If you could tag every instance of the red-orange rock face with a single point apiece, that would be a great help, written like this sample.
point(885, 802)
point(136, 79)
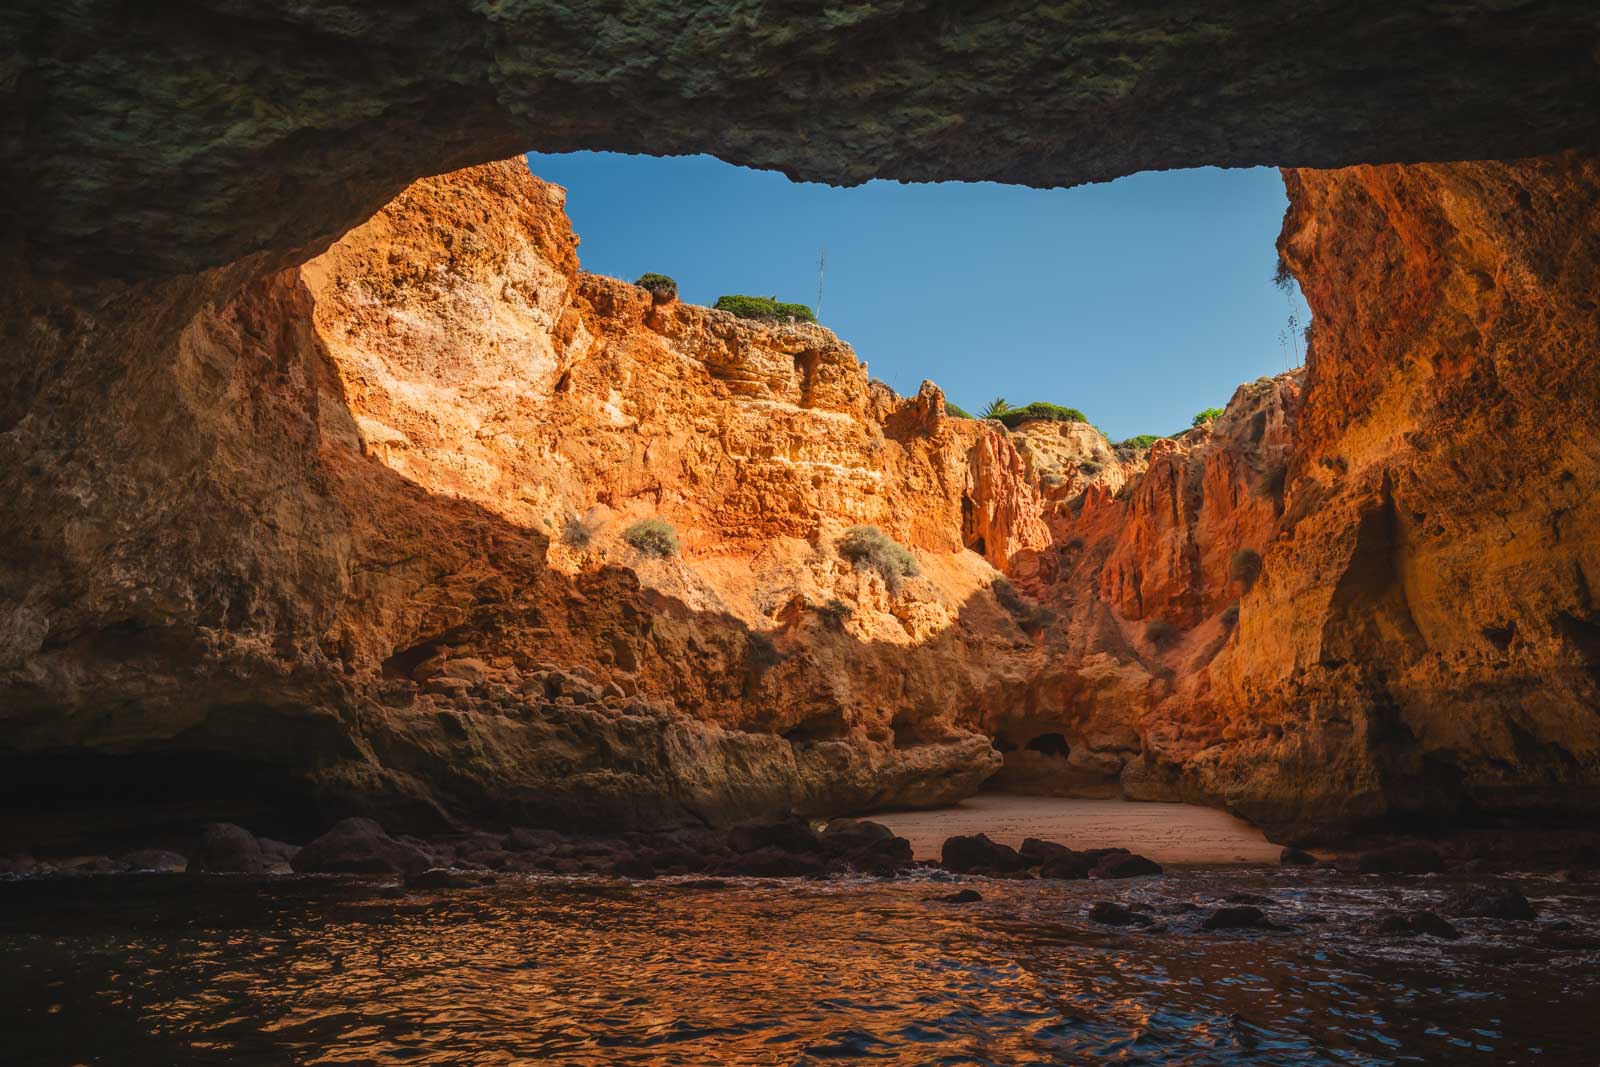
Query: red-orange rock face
point(359, 532)
point(1424, 636)
point(364, 524)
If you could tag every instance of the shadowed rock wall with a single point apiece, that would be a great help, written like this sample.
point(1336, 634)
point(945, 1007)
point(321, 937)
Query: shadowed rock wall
point(155, 139)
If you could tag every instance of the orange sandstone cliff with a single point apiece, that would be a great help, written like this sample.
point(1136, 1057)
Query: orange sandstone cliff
point(352, 537)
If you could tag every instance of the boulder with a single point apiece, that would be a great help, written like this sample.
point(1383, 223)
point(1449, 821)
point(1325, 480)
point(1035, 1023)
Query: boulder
point(1073, 865)
point(17, 865)
point(1110, 913)
point(636, 866)
point(976, 854)
point(1296, 857)
point(278, 854)
point(790, 835)
point(155, 859)
point(359, 846)
point(1414, 924)
point(867, 846)
point(228, 849)
point(773, 862)
point(523, 839)
point(1124, 865)
point(1038, 852)
point(1503, 901)
point(962, 896)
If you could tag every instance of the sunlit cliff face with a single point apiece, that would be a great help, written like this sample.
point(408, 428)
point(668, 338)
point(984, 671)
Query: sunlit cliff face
point(353, 521)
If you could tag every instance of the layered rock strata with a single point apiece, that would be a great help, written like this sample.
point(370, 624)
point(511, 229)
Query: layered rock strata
point(151, 141)
point(355, 533)
point(360, 528)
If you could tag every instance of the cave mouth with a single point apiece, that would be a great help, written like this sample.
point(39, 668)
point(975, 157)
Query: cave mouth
point(1076, 271)
point(100, 802)
point(1050, 744)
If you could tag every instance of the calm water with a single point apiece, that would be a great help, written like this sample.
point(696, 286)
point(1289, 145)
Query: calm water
point(168, 970)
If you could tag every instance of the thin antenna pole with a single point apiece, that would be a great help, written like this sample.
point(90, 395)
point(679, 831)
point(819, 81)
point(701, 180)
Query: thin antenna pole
point(822, 270)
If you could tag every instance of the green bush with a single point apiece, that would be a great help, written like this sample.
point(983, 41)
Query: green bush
point(653, 537)
point(1040, 411)
point(956, 411)
point(658, 285)
point(1160, 633)
point(764, 308)
point(1245, 567)
point(868, 546)
point(995, 408)
point(1143, 440)
point(1206, 416)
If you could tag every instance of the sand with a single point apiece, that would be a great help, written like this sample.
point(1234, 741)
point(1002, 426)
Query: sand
point(1167, 833)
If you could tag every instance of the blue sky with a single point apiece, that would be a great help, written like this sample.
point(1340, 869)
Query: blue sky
point(1140, 301)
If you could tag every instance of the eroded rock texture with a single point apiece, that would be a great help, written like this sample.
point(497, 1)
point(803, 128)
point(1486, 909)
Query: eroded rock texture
point(148, 140)
point(353, 534)
point(359, 527)
point(1424, 635)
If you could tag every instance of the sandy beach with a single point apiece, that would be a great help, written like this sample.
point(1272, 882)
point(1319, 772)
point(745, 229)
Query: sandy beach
point(1167, 833)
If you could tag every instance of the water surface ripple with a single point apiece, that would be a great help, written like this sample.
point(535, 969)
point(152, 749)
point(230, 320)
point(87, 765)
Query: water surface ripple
point(171, 970)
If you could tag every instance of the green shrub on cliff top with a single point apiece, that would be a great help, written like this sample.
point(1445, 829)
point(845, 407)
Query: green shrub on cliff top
point(868, 546)
point(955, 411)
point(653, 537)
point(658, 285)
point(1040, 411)
point(764, 308)
point(1143, 440)
point(1207, 416)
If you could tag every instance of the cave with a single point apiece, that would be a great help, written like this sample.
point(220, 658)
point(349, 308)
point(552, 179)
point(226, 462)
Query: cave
point(1051, 744)
point(199, 443)
point(388, 601)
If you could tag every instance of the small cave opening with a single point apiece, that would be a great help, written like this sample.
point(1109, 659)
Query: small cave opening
point(1050, 745)
point(822, 726)
point(107, 802)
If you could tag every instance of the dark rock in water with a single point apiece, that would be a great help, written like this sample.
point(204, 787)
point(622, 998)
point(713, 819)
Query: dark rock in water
point(1111, 913)
point(1038, 852)
point(680, 859)
point(155, 859)
point(17, 865)
point(790, 835)
point(703, 883)
point(964, 896)
point(867, 846)
point(1296, 857)
point(637, 867)
point(1245, 917)
point(443, 878)
point(1072, 866)
point(98, 865)
point(1246, 898)
point(360, 846)
point(1098, 854)
point(525, 840)
point(1504, 901)
point(1124, 865)
point(278, 854)
point(1400, 859)
point(228, 849)
point(976, 854)
point(1415, 923)
point(775, 863)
